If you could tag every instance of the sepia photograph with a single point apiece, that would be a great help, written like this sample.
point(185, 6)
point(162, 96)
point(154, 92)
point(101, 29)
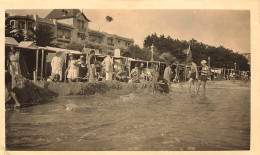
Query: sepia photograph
point(127, 79)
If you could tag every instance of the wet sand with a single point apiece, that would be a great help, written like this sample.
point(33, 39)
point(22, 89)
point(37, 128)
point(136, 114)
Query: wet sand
point(137, 121)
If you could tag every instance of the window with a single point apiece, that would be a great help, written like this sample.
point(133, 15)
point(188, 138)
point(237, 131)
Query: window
point(29, 25)
point(78, 22)
point(21, 24)
point(82, 36)
point(83, 24)
point(12, 23)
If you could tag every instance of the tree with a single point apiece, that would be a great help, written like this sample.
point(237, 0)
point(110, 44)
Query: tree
point(220, 57)
point(136, 52)
point(43, 36)
point(74, 46)
point(168, 57)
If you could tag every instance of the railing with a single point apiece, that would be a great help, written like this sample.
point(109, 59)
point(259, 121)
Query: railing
point(110, 44)
point(67, 37)
point(81, 28)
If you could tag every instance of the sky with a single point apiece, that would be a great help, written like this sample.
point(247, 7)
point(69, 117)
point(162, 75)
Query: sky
point(228, 28)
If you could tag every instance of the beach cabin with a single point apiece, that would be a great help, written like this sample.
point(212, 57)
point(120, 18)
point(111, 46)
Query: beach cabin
point(28, 53)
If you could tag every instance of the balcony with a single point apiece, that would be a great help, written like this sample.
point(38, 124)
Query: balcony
point(110, 44)
point(64, 38)
point(81, 29)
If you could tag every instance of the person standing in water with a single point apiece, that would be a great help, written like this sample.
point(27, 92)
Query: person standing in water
point(193, 74)
point(203, 77)
point(9, 92)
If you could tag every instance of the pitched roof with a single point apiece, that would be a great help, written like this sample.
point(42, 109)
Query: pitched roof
point(71, 13)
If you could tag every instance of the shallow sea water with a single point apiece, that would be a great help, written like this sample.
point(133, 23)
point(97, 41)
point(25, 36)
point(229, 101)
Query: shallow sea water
point(137, 121)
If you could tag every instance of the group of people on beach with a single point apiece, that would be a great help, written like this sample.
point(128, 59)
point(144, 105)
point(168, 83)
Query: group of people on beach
point(84, 70)
point(194, 75)
point(202, 77)
point(80, 70)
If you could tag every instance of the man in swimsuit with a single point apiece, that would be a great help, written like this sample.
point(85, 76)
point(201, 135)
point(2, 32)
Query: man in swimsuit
point(193, 74)
point(203, 76)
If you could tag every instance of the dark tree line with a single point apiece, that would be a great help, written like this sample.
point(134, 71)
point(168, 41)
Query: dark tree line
point(220, 57)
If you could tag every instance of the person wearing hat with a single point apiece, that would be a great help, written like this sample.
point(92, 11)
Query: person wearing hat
point(108, 64)
point(72, 69)
point(193, 74)
point(203, 76)
point(57, 64)
point(83, 70)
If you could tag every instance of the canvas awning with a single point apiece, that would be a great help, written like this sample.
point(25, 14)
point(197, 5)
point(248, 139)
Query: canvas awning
point(10, 41)
point(62, 50)
point(30, 44)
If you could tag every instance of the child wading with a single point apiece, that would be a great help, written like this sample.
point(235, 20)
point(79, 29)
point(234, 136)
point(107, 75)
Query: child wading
point(203, 76)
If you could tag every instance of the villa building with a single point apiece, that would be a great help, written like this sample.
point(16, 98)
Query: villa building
point(68, 25)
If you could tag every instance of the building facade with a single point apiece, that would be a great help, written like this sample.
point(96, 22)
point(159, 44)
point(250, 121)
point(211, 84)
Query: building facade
point(67, 26)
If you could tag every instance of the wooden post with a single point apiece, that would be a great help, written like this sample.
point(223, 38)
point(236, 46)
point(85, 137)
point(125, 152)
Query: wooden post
point(185, 73)
point(129, 69)
point(65, 65)
point(224, 73)
point(45, 71)
point(228, 75)
point(42, 64)
point(37, 63)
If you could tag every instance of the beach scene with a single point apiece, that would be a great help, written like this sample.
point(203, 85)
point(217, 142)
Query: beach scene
point(85, 80)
